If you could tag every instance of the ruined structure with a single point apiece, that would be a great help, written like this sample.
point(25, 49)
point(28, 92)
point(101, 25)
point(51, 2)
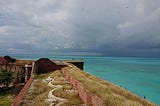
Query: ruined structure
point(24, 68)
point(44, 65)
point(21, 69)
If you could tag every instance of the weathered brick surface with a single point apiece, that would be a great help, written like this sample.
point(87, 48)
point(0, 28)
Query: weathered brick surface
point(96, 100)
point(73, 81)
point(18, 99)
point(84, 95)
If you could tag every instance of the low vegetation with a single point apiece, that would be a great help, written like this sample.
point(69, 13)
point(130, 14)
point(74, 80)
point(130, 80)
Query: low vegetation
point(67, 91)
point(39, 90)
point(5, 78)
point(111, 94)
point(36, 94)
point(6, 97)
point(6, 100)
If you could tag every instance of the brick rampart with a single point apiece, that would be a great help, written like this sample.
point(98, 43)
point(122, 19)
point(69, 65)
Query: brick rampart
point(83, 93)
point(18, 99)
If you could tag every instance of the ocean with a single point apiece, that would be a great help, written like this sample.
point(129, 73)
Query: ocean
point(139, 75)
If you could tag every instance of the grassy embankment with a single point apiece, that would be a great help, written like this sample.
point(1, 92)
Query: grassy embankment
point(110, 94)
point(40, 90)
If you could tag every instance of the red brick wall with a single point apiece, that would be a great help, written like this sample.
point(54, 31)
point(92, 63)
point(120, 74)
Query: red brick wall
point(84, 95)
point(18, 99)
point(96, 100)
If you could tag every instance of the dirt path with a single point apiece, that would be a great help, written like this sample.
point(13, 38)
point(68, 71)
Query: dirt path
point(51, 98)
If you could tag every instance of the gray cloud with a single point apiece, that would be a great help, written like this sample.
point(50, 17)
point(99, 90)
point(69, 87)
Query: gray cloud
point(107, 27)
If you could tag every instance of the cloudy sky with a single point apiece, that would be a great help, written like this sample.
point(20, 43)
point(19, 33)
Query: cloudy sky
point(87, 27)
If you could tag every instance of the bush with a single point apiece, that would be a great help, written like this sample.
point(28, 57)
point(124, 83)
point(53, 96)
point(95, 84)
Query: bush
point(5, 77)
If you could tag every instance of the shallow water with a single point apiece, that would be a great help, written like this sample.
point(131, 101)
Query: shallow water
point(139, 75)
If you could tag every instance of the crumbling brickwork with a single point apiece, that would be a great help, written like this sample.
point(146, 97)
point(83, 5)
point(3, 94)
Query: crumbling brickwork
point(83, 93)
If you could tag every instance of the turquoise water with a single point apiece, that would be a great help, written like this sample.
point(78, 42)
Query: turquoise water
point(139, 75)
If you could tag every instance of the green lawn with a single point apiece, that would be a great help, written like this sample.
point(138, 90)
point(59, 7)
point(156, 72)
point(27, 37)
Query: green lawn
point(6, 100)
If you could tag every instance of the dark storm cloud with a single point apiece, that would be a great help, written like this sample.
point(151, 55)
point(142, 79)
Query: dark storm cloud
point(107, 27)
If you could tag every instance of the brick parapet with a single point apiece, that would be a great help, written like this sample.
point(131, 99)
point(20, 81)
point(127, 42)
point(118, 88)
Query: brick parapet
point(83, 93)
point(18, 99)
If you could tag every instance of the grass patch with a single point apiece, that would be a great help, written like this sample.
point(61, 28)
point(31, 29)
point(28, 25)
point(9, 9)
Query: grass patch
point(39, 88)
point(37, 96)
point(73, 100)
point(6, 100)
point(40, 76)
point(60, 93)
point(72, 97)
